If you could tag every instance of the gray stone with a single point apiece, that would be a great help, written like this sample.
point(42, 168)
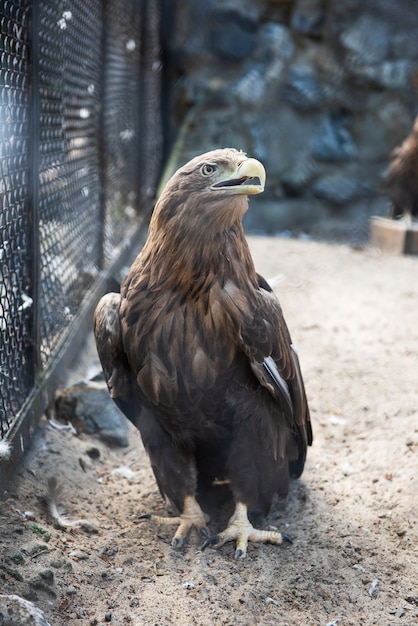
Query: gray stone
point(303, 90)
point(403, 45)
point(384, 122)
point(338, 189)
point(232, 34)
point(308, 16)
point(79, 555)
point(89, 407)
point(247, 9)
point(251, 88)
point(47, 575)
point(43, 581)
point(189, 36)
point(274, 41)
point(332, 141)
point(295, 180)
point(390, 74)
point(393, 116)
point(285, 139)
point(367, 39)
point(275, 49)
point(16, 611)
point(62, 562)
point(287, 215)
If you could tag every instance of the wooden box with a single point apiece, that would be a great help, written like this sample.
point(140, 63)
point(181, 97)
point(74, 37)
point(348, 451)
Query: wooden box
point(394, 236)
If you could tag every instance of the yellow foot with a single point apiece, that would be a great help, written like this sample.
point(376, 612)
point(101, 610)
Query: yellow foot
point(240, 529)
point(191, 517)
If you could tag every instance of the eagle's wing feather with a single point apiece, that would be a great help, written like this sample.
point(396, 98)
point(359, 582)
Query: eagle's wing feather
point(116, 369)
point(274, 361)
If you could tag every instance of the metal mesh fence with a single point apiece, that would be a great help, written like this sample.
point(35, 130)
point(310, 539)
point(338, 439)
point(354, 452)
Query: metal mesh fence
point(70, 74)
point(74, 135)
point(121, 125)
point(16, 375)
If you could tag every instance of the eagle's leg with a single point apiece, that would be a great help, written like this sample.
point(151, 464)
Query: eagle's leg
point(192, 516)
point(240, 529)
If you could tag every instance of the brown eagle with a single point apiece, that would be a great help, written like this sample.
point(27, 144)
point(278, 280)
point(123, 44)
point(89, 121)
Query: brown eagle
point(401, 178)
point(197, 354)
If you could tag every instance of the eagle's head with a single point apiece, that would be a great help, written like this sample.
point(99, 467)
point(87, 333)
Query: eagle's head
point(210, 190)
point(222, 173)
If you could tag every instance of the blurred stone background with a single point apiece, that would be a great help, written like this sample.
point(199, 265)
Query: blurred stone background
point(320, 90)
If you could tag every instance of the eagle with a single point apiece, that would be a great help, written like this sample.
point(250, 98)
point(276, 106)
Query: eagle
point(401, 178)
point(197, 354)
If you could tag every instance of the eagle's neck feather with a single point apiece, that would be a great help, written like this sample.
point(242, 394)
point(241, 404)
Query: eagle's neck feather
point(185, 264)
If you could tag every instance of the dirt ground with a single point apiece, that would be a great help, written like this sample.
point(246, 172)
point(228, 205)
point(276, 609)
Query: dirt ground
point(352, 516)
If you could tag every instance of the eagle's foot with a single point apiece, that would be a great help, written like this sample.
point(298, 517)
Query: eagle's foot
point(192, 516)
point(240, 529)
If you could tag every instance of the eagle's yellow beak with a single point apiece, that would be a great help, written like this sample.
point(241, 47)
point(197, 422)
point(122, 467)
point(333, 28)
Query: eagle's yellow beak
point(244, 179)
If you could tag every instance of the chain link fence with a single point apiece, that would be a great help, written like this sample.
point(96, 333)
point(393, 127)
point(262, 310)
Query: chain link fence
point(80, 153)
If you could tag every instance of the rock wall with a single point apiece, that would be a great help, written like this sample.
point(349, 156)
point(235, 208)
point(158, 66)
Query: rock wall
point(321, 91)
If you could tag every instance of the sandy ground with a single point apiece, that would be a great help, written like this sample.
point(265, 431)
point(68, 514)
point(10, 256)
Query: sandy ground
point(352, 516)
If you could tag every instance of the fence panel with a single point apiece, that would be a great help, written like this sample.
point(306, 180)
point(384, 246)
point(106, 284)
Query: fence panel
point(122, 133)
point(76, 182)
point(16, 370)
point(69, 209)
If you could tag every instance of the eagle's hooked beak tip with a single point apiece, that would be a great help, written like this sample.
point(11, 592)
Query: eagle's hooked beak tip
point(249, 178)
point(253, 169)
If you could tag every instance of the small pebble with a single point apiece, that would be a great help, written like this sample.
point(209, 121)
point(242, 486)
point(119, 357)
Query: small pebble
point(79, 555)
point(373, 588)
point(188, 586)
point(358, 567)
point(47, 575)
point(108, 617)
point(93, 453)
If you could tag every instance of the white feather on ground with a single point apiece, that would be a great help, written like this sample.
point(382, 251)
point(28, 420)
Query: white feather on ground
point(57, 509)
point(5, 450)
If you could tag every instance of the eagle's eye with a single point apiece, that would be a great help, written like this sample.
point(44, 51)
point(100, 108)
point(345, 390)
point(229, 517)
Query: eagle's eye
point(207, 169)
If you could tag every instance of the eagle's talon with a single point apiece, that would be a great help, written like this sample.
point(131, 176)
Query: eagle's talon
point(204, 532)
point(286, 538)
point(210, 541)
point(177, 542)
point(242, 531)
point(192, 516)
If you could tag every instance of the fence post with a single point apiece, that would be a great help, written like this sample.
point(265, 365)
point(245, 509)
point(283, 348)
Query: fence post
point(34, 260)
point(102, 144)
